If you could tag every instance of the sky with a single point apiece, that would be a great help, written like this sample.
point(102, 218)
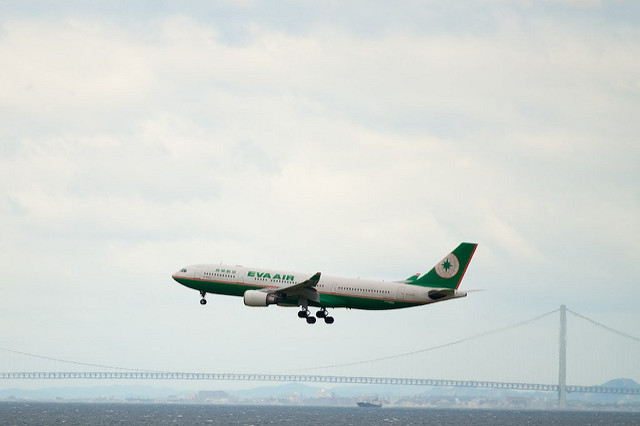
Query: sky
point(364, 139)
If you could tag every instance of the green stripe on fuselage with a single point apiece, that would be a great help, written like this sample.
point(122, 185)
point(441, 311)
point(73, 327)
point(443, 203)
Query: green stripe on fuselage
point(326, 300)
point(359, 302)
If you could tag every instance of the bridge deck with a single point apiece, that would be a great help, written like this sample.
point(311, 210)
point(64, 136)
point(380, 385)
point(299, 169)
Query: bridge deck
point(255, 377)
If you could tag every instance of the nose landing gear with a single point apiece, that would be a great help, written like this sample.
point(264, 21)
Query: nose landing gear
point(203, 301)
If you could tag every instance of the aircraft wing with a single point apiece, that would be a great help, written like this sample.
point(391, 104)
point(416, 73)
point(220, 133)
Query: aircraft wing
point(294, 288)
point(306, 289)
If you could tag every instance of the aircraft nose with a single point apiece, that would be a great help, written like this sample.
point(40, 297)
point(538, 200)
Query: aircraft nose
point(179, 274)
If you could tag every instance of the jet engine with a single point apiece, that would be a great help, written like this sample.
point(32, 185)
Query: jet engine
point(259, 298)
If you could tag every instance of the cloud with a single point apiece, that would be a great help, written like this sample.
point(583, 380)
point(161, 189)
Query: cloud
point(286, 113)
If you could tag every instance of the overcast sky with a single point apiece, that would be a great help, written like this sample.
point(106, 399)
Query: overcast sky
point(362, 139)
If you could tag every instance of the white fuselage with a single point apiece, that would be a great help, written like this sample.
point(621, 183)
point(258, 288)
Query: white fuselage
point(332, 291)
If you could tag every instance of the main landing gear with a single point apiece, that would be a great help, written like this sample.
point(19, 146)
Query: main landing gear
point(304, 313)
point(322, 313)
point(203, 301)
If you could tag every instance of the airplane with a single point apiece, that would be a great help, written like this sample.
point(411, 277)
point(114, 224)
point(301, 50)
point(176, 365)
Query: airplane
point(264, 287)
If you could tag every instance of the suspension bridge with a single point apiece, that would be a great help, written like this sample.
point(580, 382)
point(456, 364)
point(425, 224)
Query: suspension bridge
point(561, 387)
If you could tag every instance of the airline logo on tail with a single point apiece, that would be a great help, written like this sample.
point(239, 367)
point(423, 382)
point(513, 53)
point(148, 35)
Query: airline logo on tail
point(448, 267)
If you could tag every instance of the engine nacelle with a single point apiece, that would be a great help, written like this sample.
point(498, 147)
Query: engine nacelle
point(259, 298)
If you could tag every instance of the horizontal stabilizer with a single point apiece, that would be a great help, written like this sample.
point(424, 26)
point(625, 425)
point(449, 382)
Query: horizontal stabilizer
point(445, 293)
point(411, 280)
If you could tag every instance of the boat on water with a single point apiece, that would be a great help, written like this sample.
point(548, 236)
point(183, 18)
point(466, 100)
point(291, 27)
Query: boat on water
point(369, 404)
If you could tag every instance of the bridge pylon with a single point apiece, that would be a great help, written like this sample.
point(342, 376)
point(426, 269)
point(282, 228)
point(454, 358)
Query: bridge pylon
point(562, 362)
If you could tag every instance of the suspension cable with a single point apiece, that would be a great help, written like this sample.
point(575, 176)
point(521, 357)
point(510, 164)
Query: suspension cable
point(628, 336)
point(75, 362)
point(432, 348)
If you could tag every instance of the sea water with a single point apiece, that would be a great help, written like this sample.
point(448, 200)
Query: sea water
point(42, 413)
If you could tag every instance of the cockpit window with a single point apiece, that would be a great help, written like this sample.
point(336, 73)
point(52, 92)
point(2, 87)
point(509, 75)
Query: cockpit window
point(183, 270)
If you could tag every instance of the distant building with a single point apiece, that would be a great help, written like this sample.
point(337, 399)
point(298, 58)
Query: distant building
point(213, 397)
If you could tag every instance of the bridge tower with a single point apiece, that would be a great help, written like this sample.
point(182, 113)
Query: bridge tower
point(562, 367)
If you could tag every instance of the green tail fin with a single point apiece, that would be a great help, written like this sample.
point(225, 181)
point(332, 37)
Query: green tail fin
point(449, 271)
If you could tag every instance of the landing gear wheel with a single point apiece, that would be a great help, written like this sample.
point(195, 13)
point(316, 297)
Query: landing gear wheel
point(311, 320)
point(328, 320)
point(203, 301)
point(303, 314)
point(322, 313)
